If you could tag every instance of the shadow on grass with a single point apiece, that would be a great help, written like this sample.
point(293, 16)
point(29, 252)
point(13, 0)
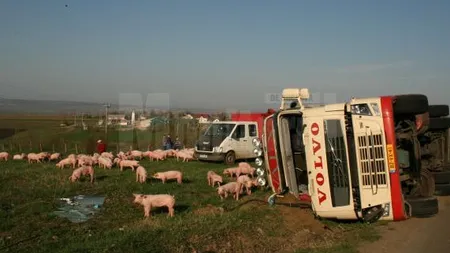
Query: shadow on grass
point(178, 209)
point(101, 178)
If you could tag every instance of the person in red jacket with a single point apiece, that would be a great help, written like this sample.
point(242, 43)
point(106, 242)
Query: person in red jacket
point(101, 147)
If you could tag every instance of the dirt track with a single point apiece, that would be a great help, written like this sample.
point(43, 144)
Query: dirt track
point(415, 235)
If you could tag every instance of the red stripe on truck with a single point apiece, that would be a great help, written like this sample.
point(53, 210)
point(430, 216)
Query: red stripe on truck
point(387, 111)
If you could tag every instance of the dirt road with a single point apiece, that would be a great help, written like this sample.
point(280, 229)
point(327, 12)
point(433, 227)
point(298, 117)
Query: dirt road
point(431, 235)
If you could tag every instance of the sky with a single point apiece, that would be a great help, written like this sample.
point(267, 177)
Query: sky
point(222, 54)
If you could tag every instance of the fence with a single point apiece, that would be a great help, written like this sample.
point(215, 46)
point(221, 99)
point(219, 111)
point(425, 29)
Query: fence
point(76, 140)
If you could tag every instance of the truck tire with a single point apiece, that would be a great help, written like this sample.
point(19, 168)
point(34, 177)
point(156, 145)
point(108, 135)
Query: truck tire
point(442, 189)
point(441, 177)
point(410, 104)
point(230, 158)
point(423, 207)
point(437, 111)
point(439, 123)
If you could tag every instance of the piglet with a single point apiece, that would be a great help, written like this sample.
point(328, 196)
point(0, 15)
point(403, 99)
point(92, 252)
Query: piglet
point(245, 170)
point(213, 178)
point(82, 171)
point(159, 200)
point(141, 174)
point(230, 171)
point(244, 165)
point(232, 188)
point(173, 174)
point(246, 182)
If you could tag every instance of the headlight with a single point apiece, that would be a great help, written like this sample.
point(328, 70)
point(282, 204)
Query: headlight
point(259, 161)
point(261, 181)
point(260, 172)
point(256, 142)
point(217, 149)
point(257, 151)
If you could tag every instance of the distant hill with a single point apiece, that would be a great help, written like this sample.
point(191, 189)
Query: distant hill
point(8, 106)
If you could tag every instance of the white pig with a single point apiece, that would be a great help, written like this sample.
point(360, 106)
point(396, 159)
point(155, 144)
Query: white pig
point(159, 200)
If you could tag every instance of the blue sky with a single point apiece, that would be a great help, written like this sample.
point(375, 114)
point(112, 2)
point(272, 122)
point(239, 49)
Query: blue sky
point(222, 54)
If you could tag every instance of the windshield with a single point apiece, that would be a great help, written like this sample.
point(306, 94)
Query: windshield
point(219, 129)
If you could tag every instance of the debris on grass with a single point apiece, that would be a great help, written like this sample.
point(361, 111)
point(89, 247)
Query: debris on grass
point(79, 208)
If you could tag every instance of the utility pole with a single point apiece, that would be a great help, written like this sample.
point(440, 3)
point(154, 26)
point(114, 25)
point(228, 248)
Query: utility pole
point(107, 105)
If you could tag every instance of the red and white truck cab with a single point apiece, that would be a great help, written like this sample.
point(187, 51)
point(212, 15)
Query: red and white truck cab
point(354, 160)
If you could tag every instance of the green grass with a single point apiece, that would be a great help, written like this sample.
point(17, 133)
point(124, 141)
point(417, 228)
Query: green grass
point(202, 221)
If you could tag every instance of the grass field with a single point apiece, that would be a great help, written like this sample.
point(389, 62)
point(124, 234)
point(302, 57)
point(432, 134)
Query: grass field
point(202, 221)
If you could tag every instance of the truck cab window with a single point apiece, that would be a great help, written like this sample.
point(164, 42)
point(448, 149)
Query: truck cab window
point(252, 130)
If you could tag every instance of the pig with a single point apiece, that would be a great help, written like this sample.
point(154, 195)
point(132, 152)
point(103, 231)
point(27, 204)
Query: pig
point(19, 156)
point(72, 156)
point(108, 155)
point(246, 182)
point(82, 171)
point(44, 155)
point(33, 157)
point(244, 165)
point(158, 200)
point(128, 163)
point(141, 174)
point(245, 170)
point(4, 156)
point(230, 171)
point(136, 154)
point(104, 162)
point(67, 161)
point(213, 178)
point(185, 156)
point(54, 156)
point(173, 174)
point(232, 187)
point(158, 156)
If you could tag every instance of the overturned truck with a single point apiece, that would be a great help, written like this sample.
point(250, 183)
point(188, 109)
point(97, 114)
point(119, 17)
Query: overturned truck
point(355, 160)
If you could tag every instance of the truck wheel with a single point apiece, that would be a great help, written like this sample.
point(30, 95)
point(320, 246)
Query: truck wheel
point(423, 207)
point(410, 104)
point(230, 158)
point(427, 184)
point(439, 123)
point(441, 177)
point(437, 111)
point(442, 189)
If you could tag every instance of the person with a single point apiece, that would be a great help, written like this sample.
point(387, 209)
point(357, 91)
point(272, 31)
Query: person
point(177, 145)
point(164, 142)
point(101, 147)
point(169, 143)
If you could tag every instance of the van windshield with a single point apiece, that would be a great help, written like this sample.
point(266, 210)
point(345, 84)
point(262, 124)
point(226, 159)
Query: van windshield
point(219, 129)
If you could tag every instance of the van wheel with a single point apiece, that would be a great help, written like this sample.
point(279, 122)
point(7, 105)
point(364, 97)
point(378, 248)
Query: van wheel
point(410, 104)
point(230, 158)
point(437, 111)
point(423, 207)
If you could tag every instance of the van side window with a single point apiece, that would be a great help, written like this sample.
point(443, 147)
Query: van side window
point(239, 132)
point(252, 130)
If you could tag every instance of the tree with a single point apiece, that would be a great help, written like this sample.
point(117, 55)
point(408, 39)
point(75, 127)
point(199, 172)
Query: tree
point(135, 139)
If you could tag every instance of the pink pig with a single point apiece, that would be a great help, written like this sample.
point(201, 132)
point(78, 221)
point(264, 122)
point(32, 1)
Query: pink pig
point(141, 174)
point(173, 174)
point(247, 183)
point(213, 178)
point(230, 171)
point(245, 170)
point(82, 171)
point(159, 200)
point(244, 165)
point(232, 187)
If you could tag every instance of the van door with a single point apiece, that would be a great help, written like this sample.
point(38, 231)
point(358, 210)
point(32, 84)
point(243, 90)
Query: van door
point(239, 141)
point(370, 148)
point(251, 133)
point(270, 155)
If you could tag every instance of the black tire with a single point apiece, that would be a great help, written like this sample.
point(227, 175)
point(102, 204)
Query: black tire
point(437, 111)
point(439, 123)
point(441, 177)
point(442, 189)
point(230, 158)
point(423, 207)
point(410, 104)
